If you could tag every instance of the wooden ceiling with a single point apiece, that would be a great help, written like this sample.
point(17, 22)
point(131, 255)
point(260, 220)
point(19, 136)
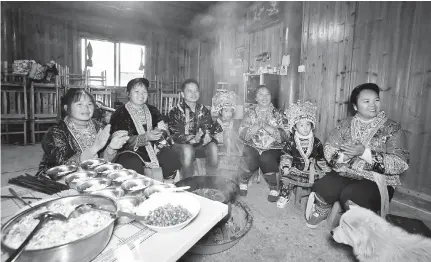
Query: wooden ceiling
point(171, 16)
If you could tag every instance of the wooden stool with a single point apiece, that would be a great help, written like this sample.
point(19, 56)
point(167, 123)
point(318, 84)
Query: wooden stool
point(301, 192)
point(334, 217)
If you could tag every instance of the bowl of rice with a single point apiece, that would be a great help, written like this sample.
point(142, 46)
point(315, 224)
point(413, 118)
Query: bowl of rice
point(168, 211)
point(92, 185)
point(75, 240)
point(136, 187)
point(77, 178)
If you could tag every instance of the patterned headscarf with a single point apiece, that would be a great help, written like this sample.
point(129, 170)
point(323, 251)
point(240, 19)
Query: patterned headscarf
point(298, 111)
point(224, 99)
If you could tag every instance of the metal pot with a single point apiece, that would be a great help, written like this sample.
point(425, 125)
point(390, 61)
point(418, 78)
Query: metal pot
point(229, 188)
point(81, 250)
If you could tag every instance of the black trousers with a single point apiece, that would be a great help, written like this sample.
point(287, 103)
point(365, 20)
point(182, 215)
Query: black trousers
point(169, 161)
point(334, 187)
point(268, 162)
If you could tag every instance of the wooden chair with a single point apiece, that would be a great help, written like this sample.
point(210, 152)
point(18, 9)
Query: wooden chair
point(98, 88)
point(14, 105)
point(44, 106)
point(72, 80)
point(167, 102)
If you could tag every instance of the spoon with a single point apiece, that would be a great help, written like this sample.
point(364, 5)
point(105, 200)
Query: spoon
point(43, 217)
point(85, 208)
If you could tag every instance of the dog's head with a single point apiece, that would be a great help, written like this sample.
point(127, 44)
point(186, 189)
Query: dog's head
point(360, 228)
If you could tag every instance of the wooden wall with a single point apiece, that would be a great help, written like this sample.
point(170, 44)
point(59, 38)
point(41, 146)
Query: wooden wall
point(44, 36)
point(345, 44)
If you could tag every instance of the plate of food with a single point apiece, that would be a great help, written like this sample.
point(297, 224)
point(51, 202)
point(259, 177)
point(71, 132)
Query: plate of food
point(168, 211)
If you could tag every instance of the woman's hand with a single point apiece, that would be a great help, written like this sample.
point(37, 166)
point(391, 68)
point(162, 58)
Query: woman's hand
point(102, 138)
point(119, 138)
point(153, 135)
point(352, 150)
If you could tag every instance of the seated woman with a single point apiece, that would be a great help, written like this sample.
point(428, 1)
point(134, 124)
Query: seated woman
point(77, 137)
point(190, 124)
point(146, 127)
point(226, 130)
point(263, 133)
point(367, 152)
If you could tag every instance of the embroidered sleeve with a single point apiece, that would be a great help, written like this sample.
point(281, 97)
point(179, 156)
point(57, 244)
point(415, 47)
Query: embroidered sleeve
point(286, 156)
point(332, 150)
point(141, 140)
point(177, 126)
point(246, 125)
point(395, 160)
point(57, 150)
point(217, 131)
point(320, 157)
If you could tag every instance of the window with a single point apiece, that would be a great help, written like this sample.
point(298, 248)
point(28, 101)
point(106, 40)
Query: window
point(122, 61)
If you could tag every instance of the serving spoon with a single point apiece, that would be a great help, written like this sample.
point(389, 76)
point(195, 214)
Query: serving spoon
point(43, 218)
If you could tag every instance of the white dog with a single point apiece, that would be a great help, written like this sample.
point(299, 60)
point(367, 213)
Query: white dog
point(375, 239)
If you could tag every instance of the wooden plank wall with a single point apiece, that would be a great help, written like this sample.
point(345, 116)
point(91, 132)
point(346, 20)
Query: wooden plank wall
point(43, 37)
point(345, 44)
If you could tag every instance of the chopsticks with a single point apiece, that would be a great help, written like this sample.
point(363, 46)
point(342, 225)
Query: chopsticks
point(36, 198)
point(39, 184)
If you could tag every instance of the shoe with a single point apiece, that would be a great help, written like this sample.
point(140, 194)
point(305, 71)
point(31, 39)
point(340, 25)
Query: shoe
point(273, 196)
point(243, 189)
point(316, 213)
point(284, 198)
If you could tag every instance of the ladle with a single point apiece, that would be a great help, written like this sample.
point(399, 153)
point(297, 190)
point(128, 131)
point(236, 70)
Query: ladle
point(87, 207)
point(43, 217)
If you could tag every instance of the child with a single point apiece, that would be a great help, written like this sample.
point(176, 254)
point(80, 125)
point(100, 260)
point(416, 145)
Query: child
point(302, 161)
point(226, 130)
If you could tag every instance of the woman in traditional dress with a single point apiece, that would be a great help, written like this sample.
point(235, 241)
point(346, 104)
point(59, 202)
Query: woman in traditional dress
point(78, 137)
point(368, 152)
point(225, 130)
point(263, 133)
point(147, 129)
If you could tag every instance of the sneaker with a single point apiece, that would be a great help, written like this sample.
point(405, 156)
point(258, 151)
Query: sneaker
point(243, 189)
point(273, 195)
point(284, 198)
point(315, 219)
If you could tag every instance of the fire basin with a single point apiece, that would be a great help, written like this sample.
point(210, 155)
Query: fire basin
point(225, 235)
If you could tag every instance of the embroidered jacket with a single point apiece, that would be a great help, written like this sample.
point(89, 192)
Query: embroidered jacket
point(184, 124)
point(298, 155)
point(61, 146)
point(148, 118)
point(386, 152)
point(262, 140)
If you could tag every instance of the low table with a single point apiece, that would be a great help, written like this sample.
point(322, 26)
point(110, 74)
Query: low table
point(152, 246)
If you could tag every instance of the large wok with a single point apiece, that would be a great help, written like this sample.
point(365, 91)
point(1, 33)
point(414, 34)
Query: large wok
point(229, 188)
point(81, 250)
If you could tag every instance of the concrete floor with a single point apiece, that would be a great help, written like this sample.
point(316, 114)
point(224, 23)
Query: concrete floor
point(276, 234)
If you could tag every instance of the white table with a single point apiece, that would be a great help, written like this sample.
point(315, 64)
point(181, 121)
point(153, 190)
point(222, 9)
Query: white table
point(159, 247)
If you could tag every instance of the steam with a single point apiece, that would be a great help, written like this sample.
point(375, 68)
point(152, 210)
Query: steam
point(219, 16)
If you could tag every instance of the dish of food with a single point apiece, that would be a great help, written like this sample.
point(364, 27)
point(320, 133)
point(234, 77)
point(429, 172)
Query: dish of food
point(167, 215)
point(95, 187)
point(210, 193)
point(56, 232)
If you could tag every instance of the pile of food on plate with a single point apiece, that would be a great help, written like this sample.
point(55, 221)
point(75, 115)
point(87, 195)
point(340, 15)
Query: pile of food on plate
point(167, 215)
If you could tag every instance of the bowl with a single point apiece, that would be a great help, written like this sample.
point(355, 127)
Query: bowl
point(84, 249)
point(118, 177)
point(105, 169)
point(98, 183)
point(76, 178)
point(184, 199)
point(114, 193)
point(136, 187)
point(93, 163)
point(156, 189)
point(128, 204)
point(58, 172)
